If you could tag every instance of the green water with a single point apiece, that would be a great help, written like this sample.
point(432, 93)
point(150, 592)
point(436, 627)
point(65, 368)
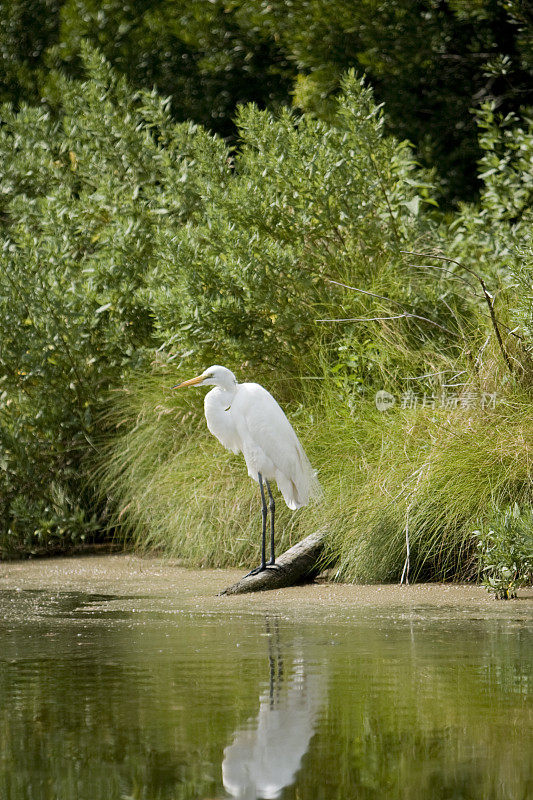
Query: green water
point(100, 700)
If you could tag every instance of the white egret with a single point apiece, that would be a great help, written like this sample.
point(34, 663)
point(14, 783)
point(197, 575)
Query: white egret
point(246, 419)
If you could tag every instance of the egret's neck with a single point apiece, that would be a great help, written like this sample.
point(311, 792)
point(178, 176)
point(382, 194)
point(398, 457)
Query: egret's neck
point(224, 394)
point(226, 382)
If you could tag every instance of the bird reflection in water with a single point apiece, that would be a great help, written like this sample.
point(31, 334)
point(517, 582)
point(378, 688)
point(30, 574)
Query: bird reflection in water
point(267, 752)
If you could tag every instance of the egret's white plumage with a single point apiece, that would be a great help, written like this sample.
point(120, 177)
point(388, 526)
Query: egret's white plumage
point(246, 419)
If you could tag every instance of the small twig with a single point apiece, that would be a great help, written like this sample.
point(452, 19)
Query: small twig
point(364, 291)
point(448, 272)
point(385, 195)
point(388, 300)
point(396, 316)
point(432, 374)
point(511, 332)
point(361, 319)
point(481, 351)
point(405, 571)
point(442, 258)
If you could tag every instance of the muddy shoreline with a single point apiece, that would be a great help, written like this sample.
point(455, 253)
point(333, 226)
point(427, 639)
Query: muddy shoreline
point(160, 584)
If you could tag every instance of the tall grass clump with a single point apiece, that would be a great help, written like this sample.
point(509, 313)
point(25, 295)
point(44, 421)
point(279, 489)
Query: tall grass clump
point(431, 473)
point(428, 478)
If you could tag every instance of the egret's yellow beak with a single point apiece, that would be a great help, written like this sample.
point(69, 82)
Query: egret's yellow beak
point(190, 382)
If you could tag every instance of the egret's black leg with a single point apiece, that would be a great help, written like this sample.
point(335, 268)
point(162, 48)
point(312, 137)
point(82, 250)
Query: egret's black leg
point(264, 512)
point(272, 513)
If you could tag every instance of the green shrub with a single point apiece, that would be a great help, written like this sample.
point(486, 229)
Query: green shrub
point(428, 62)
point(307, 203)
point(505, 545)
point(83, 195)
point(494, 235)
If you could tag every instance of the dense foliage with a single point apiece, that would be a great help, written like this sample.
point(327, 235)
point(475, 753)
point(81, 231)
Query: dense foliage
point(133, 244)
point(81, 202)
point(430, 61)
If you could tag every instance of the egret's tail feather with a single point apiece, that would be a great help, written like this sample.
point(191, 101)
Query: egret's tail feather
point(298, 493)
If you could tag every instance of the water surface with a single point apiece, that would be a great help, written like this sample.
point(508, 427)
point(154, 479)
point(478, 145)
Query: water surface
point(108, 695)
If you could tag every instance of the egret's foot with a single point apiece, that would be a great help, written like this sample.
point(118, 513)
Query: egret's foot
point(263, 568)
point(256, 571)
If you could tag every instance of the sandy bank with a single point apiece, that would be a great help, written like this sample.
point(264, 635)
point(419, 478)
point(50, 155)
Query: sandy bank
point(152, 583)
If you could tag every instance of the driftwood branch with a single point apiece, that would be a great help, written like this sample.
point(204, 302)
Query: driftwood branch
point(296, 564)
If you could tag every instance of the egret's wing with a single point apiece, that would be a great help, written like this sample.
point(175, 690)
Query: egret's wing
point(263, 427)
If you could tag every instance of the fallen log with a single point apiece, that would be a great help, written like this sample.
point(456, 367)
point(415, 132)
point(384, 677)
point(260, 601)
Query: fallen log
point(298, 563)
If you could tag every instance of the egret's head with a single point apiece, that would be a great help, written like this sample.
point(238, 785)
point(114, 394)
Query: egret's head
point(212, 376)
